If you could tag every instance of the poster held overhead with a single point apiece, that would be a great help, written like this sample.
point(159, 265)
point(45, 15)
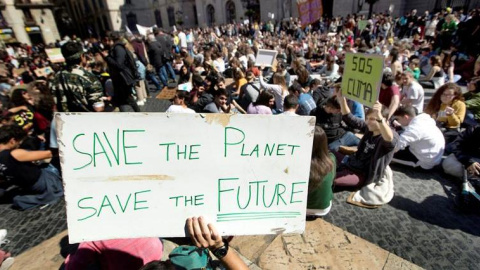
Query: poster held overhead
point(362, 77)
point(265, 57)
point(55, 55)
point(131, 175)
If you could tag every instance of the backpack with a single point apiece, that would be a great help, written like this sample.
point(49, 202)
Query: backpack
point(130, 75)
point(190, 258)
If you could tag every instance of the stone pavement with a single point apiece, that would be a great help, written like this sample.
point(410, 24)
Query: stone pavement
point(421, 224)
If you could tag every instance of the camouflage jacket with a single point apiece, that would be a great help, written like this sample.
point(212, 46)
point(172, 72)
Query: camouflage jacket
point(76, 90)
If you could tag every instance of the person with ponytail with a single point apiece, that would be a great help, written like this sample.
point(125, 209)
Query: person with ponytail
point(322, 174)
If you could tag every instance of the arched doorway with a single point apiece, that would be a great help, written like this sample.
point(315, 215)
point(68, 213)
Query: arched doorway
point(210, 15)
point(231, 12)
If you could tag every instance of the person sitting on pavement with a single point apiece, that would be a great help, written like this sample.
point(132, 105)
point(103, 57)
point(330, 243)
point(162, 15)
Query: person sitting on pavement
point(472, 102)
point(115, 254)
point(178, 103)
point(421, 143)
point(42, 185)
point(290, 105)
point(219, 103)
point(412, 93)
point(368, 169)
point(199, 97)
point(305, 100)
point(322, 173)
point(329, 117)
point(389, 93)
point(465, 154)
point(264, 103)
point(279, 88)
point(282, 69)
point(319, 91)
point(249, 92)
point(448, 109)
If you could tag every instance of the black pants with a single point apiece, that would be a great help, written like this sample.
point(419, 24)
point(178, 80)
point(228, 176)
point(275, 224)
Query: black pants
point(405, 155)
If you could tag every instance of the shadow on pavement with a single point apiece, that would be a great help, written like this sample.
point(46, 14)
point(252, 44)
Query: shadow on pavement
point(440, 211)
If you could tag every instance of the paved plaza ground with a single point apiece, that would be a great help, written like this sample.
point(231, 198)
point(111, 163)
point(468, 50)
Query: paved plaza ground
point(421, 224)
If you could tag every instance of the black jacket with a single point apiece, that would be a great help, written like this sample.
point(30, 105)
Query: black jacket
point(466, 147)
point(155, 54)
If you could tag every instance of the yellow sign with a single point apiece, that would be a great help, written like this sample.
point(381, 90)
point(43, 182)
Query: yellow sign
point(362, 77)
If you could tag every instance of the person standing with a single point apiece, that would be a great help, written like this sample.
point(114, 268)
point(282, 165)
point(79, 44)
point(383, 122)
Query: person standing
point(123, 72)
point(166, 43)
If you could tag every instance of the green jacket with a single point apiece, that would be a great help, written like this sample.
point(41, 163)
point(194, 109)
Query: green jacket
point(472, 101)
point(320, 198)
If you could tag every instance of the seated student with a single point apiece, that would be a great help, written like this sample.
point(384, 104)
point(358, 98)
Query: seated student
point(412, 92)
point(115, 254)
point(421, 143)
point(319, 91)
point(179, 105)
point(465, 154)
point(413, 66)
point(199, 96)
point(322, 173)
point(290, 105)
point(305, 101)
point(436, 77)
point(329, 117)
point(263, 105)
point(389, 93)
point(472, 102)
point(249, 92)
point(42, 185)
point(219, 103)
point(448, 109)
point(368, 168)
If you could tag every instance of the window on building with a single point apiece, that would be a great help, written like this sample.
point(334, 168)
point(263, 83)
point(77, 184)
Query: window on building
point(171, 16)
point(158, 18)
point(132, 21)
point(28, 17)
point(195, 15)
point(128, 2)
point(231, 12)
point(101, 4)
point(210, 15)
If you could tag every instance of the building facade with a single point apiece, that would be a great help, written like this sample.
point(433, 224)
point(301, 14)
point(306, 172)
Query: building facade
point(27, 21)
point(95, 18)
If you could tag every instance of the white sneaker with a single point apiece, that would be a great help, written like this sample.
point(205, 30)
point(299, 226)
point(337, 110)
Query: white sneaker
point(140, 103)
point(3, 234)
point(7, 263)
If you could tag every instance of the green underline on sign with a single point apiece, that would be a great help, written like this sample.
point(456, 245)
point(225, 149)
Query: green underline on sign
point(255, 218)
point(257, 213)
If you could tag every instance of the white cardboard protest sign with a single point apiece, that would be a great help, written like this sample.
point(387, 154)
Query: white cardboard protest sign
point(131, 175)
point(265, 57)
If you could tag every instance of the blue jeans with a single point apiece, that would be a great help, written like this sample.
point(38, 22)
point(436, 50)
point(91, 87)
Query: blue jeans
point(153, 78)
point(164, 73)
point(348, 139)
point(470, 119)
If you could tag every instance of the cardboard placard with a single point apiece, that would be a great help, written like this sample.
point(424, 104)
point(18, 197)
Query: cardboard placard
point(43, 72)
point(167, 93)
point(55, 55)
point(309, 11)
point(265, 57)
point(362, 24)
point(129, 175)
point(362, 77)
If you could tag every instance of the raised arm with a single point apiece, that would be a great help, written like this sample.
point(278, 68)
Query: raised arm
point(26, 156)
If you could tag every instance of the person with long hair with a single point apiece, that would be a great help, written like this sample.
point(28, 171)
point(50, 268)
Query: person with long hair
point(394, 61)
point(322, 174)
point(279, 88)
point(448, 108)
point(264, 103)
point(330, 70)
point(436, 76)
point(185, 74)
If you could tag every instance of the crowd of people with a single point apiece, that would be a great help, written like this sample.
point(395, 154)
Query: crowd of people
point(353, 146)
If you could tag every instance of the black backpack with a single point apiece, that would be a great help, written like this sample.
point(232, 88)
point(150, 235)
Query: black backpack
point(130, 73)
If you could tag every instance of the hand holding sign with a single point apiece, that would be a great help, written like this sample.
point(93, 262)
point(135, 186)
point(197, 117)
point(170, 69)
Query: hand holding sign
point(377, 108)
point(204, 235)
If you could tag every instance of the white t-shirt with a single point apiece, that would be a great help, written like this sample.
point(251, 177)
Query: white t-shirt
point(183, 40)
point(426, 141)
point(415, 92)
point(179, 109)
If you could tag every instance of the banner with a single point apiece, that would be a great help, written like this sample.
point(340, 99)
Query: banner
point(129, 175)
point(143, 30)
point(362, 77)
point(309, 11)
point(362, 24)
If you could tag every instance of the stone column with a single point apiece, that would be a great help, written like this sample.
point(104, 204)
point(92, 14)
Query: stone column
point(49, 26)
point(14, 18)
